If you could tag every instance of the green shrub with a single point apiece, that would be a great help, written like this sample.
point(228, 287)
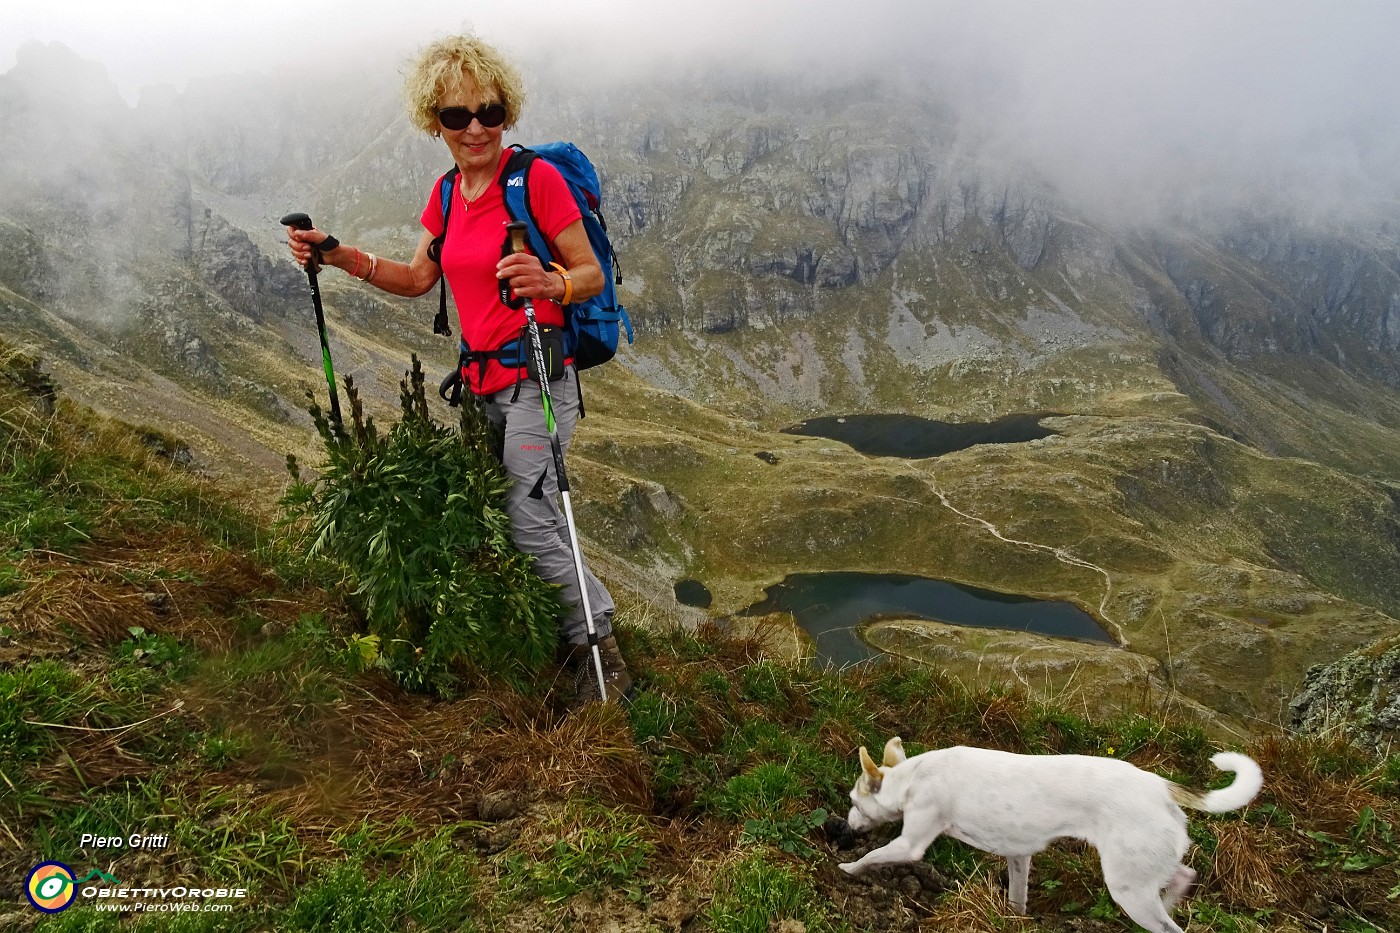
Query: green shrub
point(417, 519)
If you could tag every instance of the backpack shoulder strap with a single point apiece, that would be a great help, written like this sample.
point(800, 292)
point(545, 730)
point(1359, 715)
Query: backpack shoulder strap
point(515, 189)
point(445, 185)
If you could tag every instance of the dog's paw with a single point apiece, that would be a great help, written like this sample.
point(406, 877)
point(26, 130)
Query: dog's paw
point(849, 868)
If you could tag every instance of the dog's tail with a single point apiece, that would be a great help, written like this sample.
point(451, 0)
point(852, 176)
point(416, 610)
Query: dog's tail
point(1248, 780)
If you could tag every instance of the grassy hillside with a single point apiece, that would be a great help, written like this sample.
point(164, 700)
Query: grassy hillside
point(1227, 572)
point(169, 666)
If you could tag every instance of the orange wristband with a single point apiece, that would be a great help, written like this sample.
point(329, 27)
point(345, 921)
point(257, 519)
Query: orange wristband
point(568, 283)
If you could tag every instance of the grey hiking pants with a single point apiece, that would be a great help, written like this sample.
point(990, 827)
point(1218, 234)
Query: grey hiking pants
point(536, 519)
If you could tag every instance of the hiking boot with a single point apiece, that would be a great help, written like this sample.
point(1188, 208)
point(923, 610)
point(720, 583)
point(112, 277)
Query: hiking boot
point(615, 674)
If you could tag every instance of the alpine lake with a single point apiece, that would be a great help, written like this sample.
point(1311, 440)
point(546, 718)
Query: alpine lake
point(831, 607)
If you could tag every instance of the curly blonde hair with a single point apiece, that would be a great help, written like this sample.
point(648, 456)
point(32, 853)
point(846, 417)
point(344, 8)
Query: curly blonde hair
point(444, 63)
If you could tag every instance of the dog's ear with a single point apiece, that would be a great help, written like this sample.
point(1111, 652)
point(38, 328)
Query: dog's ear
point(894, 752)
point(871, 776)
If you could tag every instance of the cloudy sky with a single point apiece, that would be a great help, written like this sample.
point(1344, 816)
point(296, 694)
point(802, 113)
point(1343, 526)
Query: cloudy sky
point(1104, 92)
point(1066, 45)
point(155, 41)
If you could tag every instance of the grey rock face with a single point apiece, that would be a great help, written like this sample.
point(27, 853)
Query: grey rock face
point(182, 346)
point(1358, 695)
point(239, 273)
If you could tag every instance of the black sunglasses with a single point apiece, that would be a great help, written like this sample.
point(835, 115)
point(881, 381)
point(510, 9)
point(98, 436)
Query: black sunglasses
point(459, 118)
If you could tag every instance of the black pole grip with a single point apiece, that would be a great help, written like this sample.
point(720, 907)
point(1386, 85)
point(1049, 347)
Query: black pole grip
point(302, 221)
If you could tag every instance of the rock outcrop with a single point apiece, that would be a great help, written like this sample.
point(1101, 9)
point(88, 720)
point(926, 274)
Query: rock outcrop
point(1357, 695)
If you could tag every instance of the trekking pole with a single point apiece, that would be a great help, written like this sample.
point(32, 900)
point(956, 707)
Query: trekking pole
point(303, 222)
point(517, 245)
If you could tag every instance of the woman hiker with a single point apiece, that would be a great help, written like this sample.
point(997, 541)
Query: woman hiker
point(462, 90)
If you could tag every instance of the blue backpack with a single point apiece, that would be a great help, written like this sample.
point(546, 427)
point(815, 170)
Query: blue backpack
point(592, 326)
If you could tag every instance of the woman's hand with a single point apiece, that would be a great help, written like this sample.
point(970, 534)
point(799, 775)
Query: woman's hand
point(301, 242)
point(574, 253)
point(529, 279)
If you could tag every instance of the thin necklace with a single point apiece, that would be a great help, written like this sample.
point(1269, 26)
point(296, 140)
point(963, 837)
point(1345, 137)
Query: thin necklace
point(478, 193)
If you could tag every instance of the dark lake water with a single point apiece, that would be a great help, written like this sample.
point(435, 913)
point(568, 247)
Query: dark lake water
point(693, 593)
point(830, 606)
point(913, 437)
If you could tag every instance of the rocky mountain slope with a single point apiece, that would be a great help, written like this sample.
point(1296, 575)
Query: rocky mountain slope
point(1227, 386)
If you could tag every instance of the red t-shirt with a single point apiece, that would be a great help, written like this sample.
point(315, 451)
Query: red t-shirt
point(471, 251)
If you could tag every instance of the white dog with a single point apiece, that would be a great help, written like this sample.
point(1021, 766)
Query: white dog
point(1016, 805)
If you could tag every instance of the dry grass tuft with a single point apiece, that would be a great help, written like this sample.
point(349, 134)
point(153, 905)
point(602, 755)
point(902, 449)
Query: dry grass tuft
point(1294, 779)
point(687, 849)
point(1002, 717)
point(978, 906)
point(99, 753)
point(382, 756)
point(729, 650)
point(711, 875)
point(359, 761)
point(177, 585)
point(1258, 867)
point(72, 598)
point(839, 737)
point(591, 752)
point(191, 580)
